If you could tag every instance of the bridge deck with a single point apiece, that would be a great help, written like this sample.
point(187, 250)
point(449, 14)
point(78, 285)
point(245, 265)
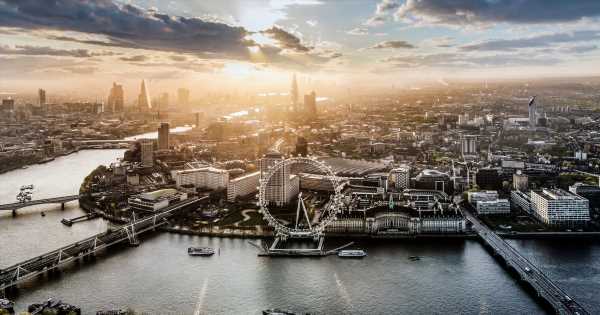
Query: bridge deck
point(18, 205)
point(528, 272)
point(27, 269)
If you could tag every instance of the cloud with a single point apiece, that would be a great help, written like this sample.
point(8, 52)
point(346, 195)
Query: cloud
point(358, 31)
point(537, 41)
point(27, 50)
point(127, 25)
point(470, 12)
point(441, 42)
point(382, 12)
point(580, 49)
point(466, 60)
point(393, 44)
point(29, 66)
point(286, 40)
point(137, 58)
point(312, 23)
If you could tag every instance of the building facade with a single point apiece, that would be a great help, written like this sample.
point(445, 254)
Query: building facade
point(559, 207)
point(243, 186)
point(206, 177)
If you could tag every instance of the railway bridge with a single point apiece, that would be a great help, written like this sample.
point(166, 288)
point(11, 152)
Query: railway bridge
point(544, 287)
point(11, 276)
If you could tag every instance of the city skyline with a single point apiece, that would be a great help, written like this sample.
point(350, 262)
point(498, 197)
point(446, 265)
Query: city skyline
point(259, 43)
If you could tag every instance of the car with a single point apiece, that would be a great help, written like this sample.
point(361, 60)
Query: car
point(527, 269)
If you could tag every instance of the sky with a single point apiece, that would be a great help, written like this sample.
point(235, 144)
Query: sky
point(258, 44)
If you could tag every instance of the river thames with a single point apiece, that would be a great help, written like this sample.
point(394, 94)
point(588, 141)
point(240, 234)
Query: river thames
point(158, 277)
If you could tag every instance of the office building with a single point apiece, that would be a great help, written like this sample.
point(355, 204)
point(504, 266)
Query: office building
point(301, 147)
point(42, 97)
point(589, 192)
point(281, 187)
point(116, 99)
point(520, 181)
point(401, 177)
point(498, 206)
point(156, 200)
point(488, 178)
point(243, 186)
point(532, 113)
point(521, 200)
point(163, 101)
point(147, 147)
point(8, 104)
point(144, 98)
point(206, 177)
point(433, 180)
point(474, 196)
point(310, 104)
point(183, 97)
point(163, 136)
point(559, 207)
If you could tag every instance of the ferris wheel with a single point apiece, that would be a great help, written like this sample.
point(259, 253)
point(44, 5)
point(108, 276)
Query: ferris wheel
point(312, 227)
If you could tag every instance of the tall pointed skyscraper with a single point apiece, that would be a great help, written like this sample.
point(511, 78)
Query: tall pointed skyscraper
point(294, 94)
point(532, 113)
point(144, 98)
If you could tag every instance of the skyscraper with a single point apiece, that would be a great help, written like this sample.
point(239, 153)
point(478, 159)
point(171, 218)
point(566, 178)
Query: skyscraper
point(532, 113)
point(183, 97)
point(147, 146)
point(144, 98)
point(294, 94)
point(163, 101)
point(42, 97)
point(163, 136)
point(115, 99)
point(310, 105)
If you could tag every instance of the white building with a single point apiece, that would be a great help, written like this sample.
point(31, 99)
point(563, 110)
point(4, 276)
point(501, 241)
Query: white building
point(498, 206)
point(488, 195)
point(401, 177)
point(206, 177)
point(557, 206)
point(521, 200)
point(243, 186)
point(282, 187)
point(156, 200)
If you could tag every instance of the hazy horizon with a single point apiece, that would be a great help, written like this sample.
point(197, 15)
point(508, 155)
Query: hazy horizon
point(69, 46)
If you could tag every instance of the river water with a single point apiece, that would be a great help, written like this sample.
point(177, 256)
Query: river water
point(158, 277)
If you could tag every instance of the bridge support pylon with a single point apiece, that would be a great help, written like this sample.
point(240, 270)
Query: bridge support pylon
point(62, 206)
point(14, 212)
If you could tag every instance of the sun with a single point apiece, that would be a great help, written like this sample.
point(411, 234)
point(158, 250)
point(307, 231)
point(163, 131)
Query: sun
point(236, 69)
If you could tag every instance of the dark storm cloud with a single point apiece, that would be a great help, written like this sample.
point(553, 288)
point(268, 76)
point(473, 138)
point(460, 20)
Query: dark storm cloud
point(533, 42)
point(286, 40)
point(394, 44)
point(27, 50)
point(464, 12)
point(127, 25)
